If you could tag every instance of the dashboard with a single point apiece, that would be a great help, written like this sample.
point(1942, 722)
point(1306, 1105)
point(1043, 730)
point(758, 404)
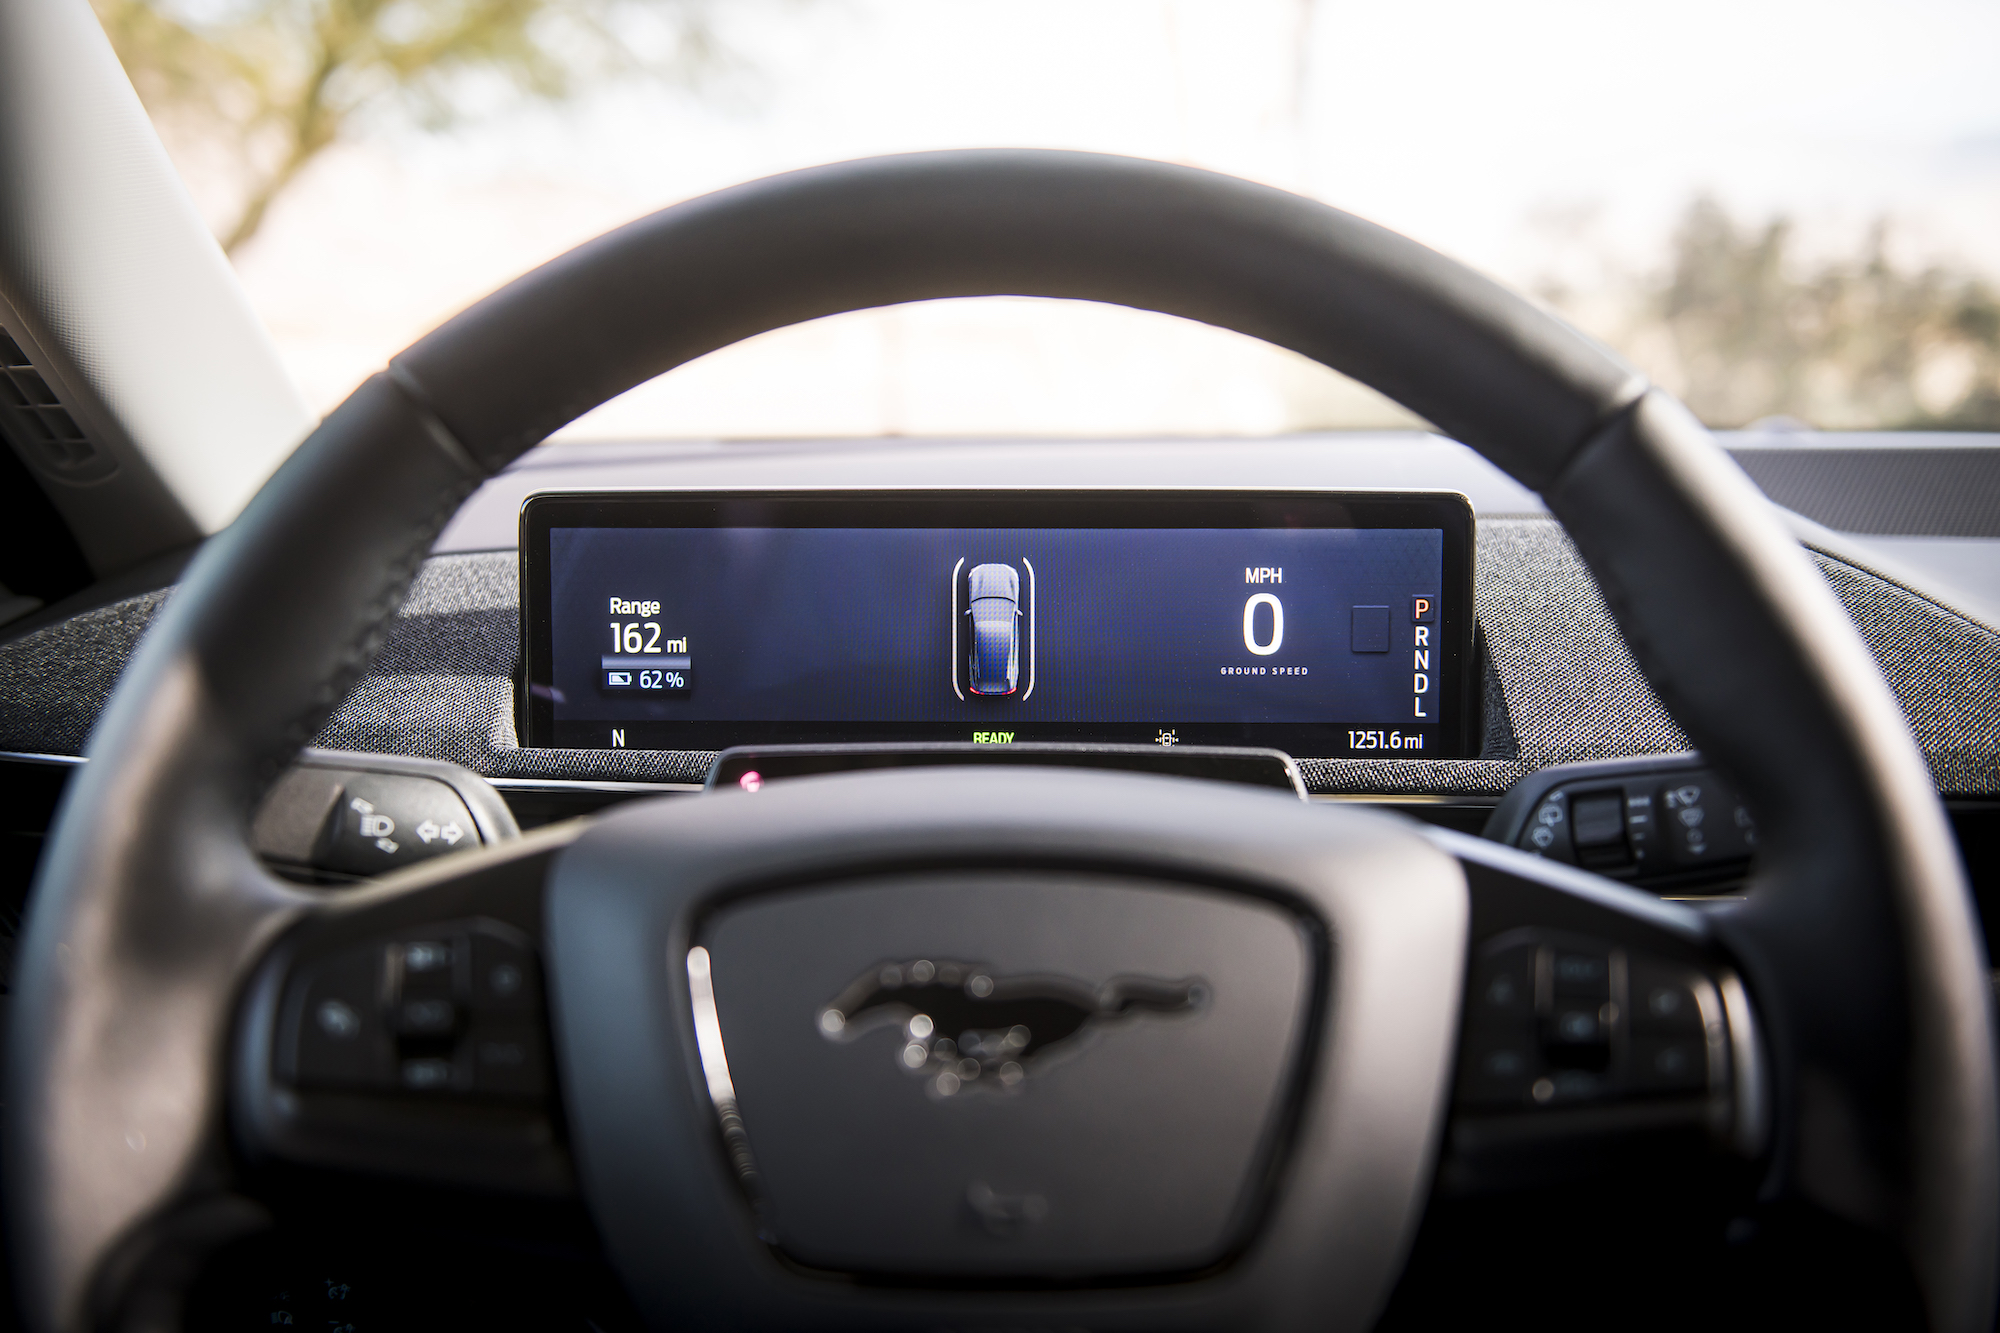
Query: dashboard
point(1541, 674)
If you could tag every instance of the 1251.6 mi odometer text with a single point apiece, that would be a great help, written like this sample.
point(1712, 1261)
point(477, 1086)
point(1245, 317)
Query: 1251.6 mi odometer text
point(1385, 740)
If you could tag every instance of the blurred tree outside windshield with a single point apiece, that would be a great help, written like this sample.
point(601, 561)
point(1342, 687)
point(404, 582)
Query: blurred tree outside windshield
point(262, 87)
point(369, 166)
point(1745, 329)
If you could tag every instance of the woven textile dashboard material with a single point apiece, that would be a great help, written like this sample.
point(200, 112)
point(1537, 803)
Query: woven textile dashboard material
point(1912, 492)
point(1944, 669)
point(55, 681)
point(1559, 683)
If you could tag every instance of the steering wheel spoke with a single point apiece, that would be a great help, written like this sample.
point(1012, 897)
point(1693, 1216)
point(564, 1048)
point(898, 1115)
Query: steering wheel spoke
point(402, 1030)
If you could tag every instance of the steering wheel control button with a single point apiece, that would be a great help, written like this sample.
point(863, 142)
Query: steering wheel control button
point(1574, 1027)
point(337, 1019)
point(508, 1061)
point(1568, 1085)
point(426, 1018)
point(1601, 1024)
point(1497, 1067)
point(337, 1036)
point(504, 979)
point(425, 969)
point(428, 1074)
point(1666, 1002)
point(1005, 1076)
point(1580, 975)
point(1504, 985)
point(420, 956)
point(1669, 1065)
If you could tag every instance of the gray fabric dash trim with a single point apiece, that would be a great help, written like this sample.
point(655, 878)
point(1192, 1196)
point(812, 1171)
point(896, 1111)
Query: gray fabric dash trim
point(55, 681)
point(1944, 668)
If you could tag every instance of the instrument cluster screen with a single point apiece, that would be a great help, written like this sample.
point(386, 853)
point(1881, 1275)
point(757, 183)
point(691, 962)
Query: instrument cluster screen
point(1324, 624)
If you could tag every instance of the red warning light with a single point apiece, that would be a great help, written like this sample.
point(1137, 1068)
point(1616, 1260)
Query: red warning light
point(751, 781)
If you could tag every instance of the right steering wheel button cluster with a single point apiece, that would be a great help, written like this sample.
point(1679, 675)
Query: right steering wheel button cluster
point(1557, 1020)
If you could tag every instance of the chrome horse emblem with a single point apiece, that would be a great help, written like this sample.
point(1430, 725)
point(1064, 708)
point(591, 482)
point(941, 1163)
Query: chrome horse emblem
point(964, 1027)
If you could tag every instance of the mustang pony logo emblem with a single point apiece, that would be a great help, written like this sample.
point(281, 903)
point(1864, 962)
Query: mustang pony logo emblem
point(964, 1027)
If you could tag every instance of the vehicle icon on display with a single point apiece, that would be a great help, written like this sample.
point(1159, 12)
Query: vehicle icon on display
point(993, 630)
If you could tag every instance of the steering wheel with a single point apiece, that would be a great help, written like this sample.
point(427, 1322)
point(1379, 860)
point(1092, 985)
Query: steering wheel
point(1285, 1035)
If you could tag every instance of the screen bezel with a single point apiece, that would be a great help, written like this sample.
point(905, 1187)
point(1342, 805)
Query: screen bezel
point(1448, 511)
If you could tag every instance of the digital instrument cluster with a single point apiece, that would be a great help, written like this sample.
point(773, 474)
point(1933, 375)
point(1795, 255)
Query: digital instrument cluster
point(1325, 624)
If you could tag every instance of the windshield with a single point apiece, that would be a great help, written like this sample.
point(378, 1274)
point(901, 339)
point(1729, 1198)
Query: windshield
point(1783, 212)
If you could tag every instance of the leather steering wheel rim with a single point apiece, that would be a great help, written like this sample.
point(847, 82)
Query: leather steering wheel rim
point(1858, 940)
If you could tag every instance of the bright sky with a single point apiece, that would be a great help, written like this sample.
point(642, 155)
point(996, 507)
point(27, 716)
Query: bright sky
point(1534, 138)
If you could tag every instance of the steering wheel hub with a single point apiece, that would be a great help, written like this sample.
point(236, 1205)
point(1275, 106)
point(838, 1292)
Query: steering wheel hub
point(1187, 996)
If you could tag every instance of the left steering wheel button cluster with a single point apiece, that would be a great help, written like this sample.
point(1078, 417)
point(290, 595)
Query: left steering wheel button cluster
point(452, 1010)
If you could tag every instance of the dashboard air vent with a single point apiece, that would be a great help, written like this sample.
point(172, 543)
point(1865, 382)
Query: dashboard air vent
point(41, 425)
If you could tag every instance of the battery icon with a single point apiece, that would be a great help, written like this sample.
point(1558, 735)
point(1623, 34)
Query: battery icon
point(654, 673)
